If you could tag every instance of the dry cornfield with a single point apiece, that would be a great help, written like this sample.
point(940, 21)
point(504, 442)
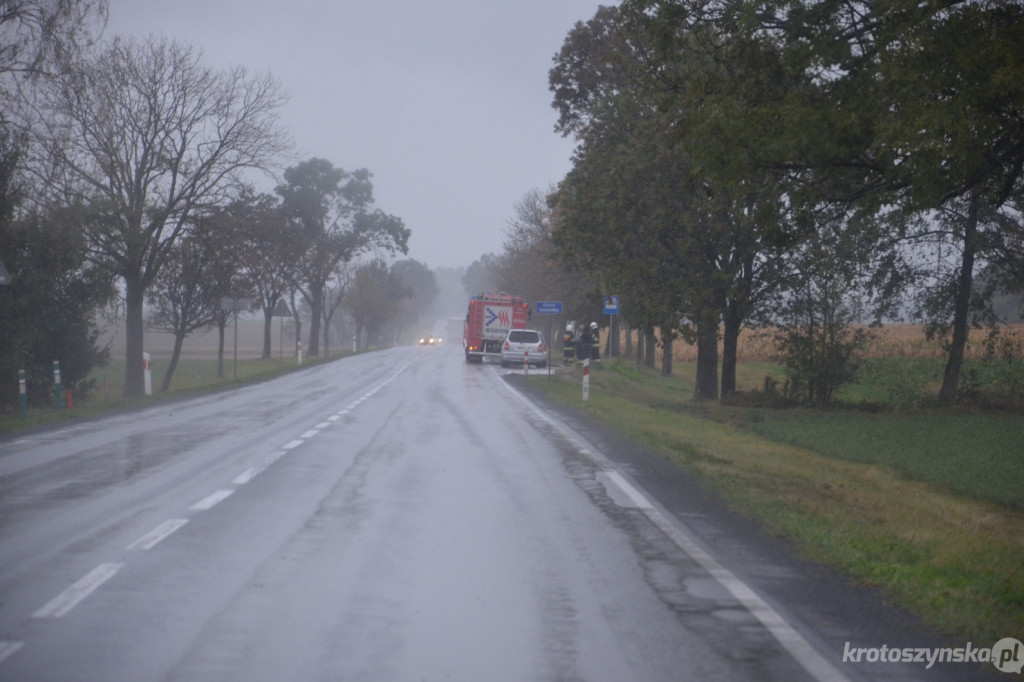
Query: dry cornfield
point(889, 341)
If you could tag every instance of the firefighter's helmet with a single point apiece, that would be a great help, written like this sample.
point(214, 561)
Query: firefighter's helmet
point(593, 325)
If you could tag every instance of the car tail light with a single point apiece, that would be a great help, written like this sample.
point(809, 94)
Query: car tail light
point(506, 345)
point(541, 348)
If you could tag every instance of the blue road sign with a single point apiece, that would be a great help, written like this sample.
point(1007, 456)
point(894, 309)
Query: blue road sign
point(549, 307)
point(611, 305)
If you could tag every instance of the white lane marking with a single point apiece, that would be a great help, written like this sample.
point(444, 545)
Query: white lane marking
point(150, 539)
point(784, 633)
point(632, 493)
point(69, 598)
point(334, 417)
point(245, 476)
point(309, 434)
point(8, 648)
point(291, 445)
point(323, 425)
point(211, 500)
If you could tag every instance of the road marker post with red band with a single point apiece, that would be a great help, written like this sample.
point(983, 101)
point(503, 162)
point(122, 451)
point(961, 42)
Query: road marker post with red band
point(147, 374)
point(586, 379)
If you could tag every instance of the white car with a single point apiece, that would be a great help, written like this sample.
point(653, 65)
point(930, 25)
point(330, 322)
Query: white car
point(524, 343)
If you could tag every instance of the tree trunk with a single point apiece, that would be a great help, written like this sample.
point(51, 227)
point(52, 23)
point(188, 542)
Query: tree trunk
point(134, 383)
point(222, 325)
point(707, 355)
point(649, 343)
point(961, 307)
point(268, 327)
point(298, 324)
point(179, 340)
point(628, 353)
point(327, 334)
point(667, 339)
point(316, 303)
point(730, 348)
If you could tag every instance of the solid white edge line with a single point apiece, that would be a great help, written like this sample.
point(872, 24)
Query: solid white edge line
point(8, 648)
point(798, 647)
point(210, 500)
point(69, 598)
point(153, 537)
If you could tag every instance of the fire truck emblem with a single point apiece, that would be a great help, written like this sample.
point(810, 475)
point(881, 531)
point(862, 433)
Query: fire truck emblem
point(500, 315)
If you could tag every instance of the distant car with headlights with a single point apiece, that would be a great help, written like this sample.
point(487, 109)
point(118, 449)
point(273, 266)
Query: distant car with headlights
point(524, 345)
point(428, 341)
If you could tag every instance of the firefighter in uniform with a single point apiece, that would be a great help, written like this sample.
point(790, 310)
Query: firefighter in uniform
point(582, 343)
point(568, 354)
point(595, 343)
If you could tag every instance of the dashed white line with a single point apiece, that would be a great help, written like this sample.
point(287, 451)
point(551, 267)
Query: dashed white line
point(291, 445)
point(309, 434)
point(153, 537)
point(323, 425)
point(8, 648)
point(69, 598)
point(245, 476)
point(211, 500)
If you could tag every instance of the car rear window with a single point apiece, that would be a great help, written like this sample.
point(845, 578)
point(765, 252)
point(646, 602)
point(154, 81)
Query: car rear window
point(523, 337)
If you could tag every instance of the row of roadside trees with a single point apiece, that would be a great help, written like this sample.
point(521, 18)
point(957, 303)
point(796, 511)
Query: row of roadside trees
point(803, 165)
point(125, 171)
point(806, 168)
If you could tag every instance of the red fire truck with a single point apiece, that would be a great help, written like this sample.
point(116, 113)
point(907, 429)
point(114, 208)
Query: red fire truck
point(488, 321)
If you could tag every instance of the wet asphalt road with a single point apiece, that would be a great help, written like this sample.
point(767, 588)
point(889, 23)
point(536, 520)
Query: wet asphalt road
point(398, 515)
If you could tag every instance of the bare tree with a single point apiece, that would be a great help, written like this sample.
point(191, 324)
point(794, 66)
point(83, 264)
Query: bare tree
point(37, 34)
point(150, 135)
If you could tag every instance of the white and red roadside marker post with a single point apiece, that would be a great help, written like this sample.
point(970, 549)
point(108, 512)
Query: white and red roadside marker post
point(58, 396)
point(22, 393)
point(586, 379)
point(147, 374)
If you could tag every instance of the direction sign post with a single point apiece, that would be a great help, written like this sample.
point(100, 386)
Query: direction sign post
point(611, 308)
point(549, 308)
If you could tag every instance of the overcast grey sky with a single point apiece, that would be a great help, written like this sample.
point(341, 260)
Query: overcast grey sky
point(445, 102)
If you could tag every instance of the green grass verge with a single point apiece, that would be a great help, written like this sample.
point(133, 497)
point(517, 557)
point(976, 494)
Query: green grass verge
point(911, 515)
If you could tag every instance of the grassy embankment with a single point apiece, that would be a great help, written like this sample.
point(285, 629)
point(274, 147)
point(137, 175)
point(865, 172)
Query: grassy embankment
point(193, 375)
point(926, 504)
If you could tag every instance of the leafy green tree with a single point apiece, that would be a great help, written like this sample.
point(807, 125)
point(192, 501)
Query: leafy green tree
point(373, 299)
point(422, 285)
point(482, 275)
point(669, 205)
point(51, 307)
point(267, 250)
point(185, 296)
point(819, 329)
point(337, 219)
